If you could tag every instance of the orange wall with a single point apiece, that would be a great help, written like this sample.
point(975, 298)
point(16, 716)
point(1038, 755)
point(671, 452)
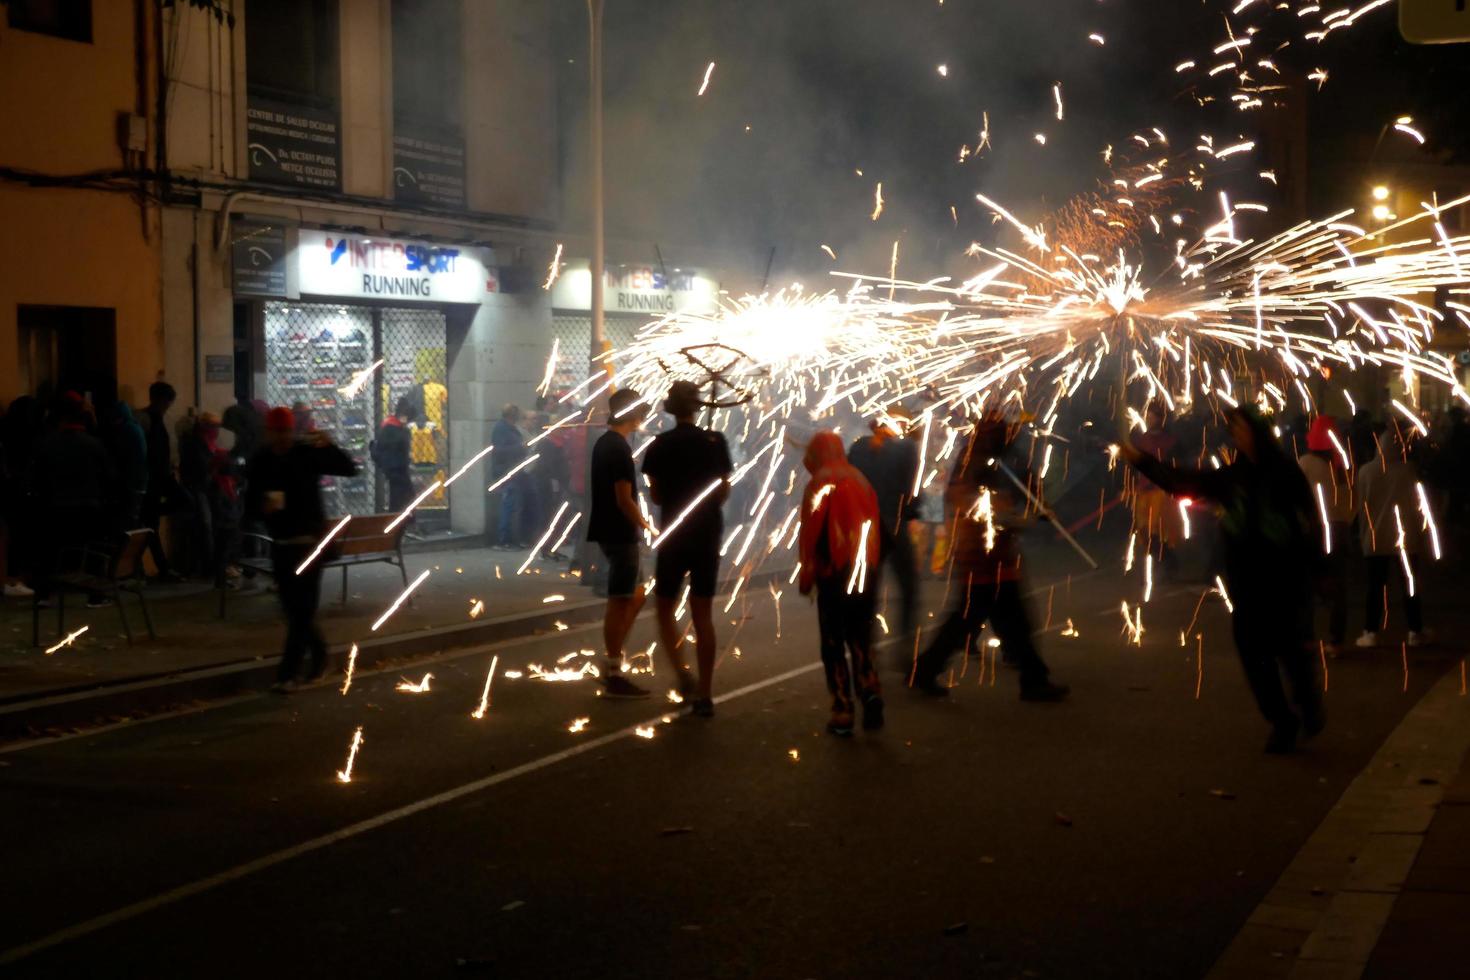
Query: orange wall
point(63, 246)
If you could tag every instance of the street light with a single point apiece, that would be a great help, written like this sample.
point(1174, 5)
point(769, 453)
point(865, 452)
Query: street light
point(1380, 193)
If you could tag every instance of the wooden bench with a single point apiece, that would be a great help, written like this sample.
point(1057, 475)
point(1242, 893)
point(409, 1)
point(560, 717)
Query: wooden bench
point(365, 540)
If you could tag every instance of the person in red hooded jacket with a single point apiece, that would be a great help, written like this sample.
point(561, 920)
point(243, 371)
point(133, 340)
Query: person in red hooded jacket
point(839, 559)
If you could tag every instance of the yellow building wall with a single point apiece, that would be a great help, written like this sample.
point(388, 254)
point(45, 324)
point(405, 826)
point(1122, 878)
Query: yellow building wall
point(69, 247)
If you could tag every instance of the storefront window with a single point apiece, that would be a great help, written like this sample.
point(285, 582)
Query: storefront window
point(315, 351)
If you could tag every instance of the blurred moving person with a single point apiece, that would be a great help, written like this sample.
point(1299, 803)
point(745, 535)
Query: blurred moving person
point(987, 558)
point(283, 481)
point(840, 559)
point(890, 463)
point(681, 465)
point(1270, 533)
point(1392, 534)
point(1154, 513)
point(1332, 494)
point(613, 525)
point(509, 450)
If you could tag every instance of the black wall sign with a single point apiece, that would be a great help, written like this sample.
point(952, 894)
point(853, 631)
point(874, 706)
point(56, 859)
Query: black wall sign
point(293, 144)
point(428, 166)
point(258, 259)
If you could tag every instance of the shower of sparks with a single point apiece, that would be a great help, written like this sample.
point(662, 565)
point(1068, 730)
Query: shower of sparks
point(477, 608)
point(1056, 94)
point(1326, 522)
point(546, 378)
point(484, 706)
point(1428, 514)
point(644, 731)
point(470, 462)
point(428, 492)
point(344, 774)
point(359, 380)
point(536, 549)
point(877, 201)
point(402, 597)
point(67, 640)
point(420, 686)
point(554, 597)
point(579, 725)
point(512, 472)
point(1220, 588)
point(553, 272)
point(705, 84)
point(351, 666)
point(674, 524)
point(322, 544)
point(1097, 39)
point(1069, 629)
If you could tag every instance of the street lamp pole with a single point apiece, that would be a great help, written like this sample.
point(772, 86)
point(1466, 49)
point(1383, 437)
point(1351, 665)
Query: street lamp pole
point(594, 11)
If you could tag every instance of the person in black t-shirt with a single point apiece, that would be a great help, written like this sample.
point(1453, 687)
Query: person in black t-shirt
point(283, 488)
point(688, 470)
point(614, 524)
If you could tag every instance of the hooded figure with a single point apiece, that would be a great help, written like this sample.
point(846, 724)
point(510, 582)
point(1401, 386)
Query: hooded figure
point(1273, 553)
point(839, 557)
point(1392, 531)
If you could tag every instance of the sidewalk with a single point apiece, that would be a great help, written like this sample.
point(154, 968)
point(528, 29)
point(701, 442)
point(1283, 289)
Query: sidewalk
point(192, 638)
point(1425, 933)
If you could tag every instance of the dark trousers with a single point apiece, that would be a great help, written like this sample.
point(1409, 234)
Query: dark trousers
point(400, 491)
point(846, 624)
point(1333, 587)
point(152, 516)
point(300, 596)
point(1377, 597)
point(898, 555)
point(512, 512)
point(1002, 605)
point(1272, 638)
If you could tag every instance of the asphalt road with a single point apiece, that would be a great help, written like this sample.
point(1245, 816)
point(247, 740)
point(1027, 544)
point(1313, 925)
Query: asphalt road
point(1127, 833)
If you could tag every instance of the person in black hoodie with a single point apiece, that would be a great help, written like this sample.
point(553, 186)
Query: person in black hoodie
point(283, 483)
point(1272, 558)
point(163, 489)
point(392, 452)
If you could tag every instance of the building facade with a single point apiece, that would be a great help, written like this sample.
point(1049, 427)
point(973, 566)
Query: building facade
point(80, 286)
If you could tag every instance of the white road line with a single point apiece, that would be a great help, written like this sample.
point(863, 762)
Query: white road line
point(136, 909)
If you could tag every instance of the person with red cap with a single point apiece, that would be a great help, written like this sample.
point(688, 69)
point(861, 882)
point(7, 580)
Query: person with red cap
point(840, 558)
point(283, 488)
point(1329, 479)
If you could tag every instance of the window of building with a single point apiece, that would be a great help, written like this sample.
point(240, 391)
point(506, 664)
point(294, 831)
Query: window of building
point(291, 51)
point(70, 19)
point(428, 72)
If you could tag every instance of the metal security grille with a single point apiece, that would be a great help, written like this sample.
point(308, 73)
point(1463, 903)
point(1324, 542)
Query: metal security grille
point(573, 331)
point(315, 350)
point(412, 346)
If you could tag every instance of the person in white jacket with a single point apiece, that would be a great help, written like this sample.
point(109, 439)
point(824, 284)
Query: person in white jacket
point(1392, 530)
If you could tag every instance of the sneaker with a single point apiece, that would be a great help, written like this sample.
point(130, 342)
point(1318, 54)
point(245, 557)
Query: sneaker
point(99, 602)
point(1368, 639)
point(284, 687)
point(618, 686)
point(841, 723)
point(872, 714)
point(1045, 691)
point(1419, 638)
point(1283, 737)
point(18, 590)
point(704, 707)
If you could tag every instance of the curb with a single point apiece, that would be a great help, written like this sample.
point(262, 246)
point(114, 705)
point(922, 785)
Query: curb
point(64, 711)
point(32, 717)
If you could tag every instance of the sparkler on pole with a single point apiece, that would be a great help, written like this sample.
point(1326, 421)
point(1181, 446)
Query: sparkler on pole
point(1047, 512)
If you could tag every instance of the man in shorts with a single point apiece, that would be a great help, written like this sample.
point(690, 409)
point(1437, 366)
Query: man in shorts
point(688, 470)
point(615, 522)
